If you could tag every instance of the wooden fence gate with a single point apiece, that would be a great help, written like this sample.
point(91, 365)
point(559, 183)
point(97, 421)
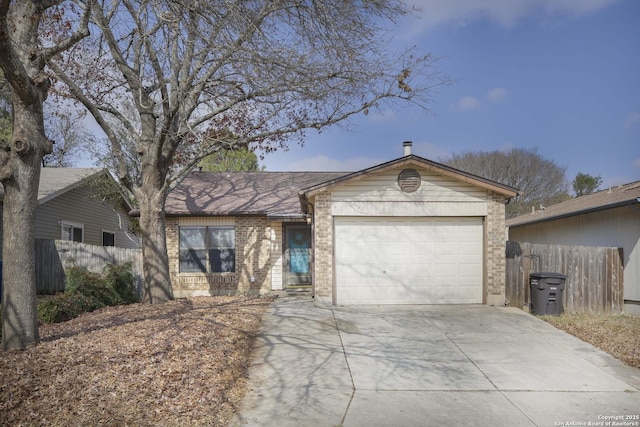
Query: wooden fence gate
point(53, 256)
point(594, 275)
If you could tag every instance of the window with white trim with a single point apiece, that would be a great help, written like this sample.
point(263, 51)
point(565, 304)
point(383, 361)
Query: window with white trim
point(207, 249)
point(72, 231)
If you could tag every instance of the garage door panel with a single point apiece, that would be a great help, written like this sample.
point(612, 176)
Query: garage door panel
point(408, 260)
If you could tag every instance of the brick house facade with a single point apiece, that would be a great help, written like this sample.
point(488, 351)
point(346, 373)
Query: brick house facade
point(254, 233)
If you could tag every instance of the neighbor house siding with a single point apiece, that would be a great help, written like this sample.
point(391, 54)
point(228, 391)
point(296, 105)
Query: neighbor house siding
point(78, 206)
point(618, 227)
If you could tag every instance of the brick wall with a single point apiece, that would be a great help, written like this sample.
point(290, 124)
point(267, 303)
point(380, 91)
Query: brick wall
point(495, 264)
point(253, 252)
point(173, 249)
point(323, 249)
point(253, 255)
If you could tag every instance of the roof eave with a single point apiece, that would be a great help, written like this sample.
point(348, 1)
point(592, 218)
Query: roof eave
point(70, 187)
point(576, 213)
point(301, 215)
point(504, 190)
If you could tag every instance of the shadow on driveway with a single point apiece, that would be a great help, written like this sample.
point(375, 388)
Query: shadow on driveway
point(428, 365)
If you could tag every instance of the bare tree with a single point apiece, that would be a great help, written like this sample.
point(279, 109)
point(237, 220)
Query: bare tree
point(5, 111)
point(62, 125)
point(541, 181)
point(65, 129)
point(24, 51)
point(264, 71)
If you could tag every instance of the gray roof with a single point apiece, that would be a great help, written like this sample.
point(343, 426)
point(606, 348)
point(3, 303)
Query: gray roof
point(613, 197)
point(57, 181)
point(243, 193)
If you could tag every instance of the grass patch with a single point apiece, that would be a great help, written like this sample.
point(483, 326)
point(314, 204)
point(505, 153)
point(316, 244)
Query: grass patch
point(618, 335)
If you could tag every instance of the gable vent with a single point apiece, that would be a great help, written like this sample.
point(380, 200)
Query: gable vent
point(409, 180)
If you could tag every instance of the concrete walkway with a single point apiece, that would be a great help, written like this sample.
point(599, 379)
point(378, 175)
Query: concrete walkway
point(429, 366)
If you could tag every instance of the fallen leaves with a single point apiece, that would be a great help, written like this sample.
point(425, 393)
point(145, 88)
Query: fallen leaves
point(618, 335)
point(180, 363)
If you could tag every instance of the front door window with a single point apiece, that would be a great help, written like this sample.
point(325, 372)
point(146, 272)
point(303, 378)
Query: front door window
point(297, 255)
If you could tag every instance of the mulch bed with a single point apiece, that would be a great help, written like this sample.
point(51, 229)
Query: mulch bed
point(183, 363)
point(618, 335)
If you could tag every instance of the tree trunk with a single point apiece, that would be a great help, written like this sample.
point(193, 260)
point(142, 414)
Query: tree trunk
point(19, 309)
point(157, 280)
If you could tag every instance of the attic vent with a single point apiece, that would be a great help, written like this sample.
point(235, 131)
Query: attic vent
point(409, 180)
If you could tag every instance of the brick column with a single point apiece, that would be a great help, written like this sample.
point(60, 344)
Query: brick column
point(323, 249)
point(173, 249)
point(495, 269)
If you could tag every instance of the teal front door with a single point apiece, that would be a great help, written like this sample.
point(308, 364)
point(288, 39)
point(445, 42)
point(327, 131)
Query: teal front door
point(297, 255)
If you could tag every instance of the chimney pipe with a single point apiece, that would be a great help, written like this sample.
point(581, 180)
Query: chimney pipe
point(407, 147)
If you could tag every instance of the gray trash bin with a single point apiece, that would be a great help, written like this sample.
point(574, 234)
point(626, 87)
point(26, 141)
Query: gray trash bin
point(546, 293)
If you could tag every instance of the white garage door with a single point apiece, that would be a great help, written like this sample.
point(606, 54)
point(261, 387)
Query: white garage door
point(408, 260)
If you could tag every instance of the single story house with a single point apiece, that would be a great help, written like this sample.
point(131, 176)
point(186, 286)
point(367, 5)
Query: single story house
point(609, 218)
point(409, 231)
point(68, 209)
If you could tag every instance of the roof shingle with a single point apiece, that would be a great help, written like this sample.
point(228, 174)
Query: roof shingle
point(604, 199)
point(243, 193)
point(56, 181)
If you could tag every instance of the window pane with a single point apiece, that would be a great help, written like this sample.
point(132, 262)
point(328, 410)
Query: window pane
point(77, 234)
point(192, 237)
point(222, 260)
point(222, 237)
point(108, 239)
point(192, 260)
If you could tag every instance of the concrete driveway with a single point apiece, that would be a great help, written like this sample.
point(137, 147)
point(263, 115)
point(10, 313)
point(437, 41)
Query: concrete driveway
point(429, 366)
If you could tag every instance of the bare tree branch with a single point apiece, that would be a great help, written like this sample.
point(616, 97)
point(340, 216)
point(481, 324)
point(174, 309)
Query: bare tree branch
point(81, 32)
point(264, 72)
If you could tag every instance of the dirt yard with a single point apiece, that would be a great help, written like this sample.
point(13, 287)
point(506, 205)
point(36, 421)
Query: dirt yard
point(177, 364)
point(618, 335)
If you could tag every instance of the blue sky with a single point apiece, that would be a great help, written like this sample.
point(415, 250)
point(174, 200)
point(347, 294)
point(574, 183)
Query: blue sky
point(562, 76)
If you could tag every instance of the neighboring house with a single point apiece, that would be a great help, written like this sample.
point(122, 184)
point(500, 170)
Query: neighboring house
point(69, 209)
point(608, 218)
point(410, 231)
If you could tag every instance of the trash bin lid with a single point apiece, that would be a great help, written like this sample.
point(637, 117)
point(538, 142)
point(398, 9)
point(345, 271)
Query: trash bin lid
point(545, 275)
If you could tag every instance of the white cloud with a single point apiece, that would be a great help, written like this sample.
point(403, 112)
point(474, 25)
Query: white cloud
point(632, 119)
point(636, 163)
point(503, 12)
point(467, 103)
point(470, 103)
point(497, 94)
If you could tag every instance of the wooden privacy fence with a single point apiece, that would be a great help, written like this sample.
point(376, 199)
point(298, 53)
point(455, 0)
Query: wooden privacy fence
point(594, 275)
point(53, 256)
